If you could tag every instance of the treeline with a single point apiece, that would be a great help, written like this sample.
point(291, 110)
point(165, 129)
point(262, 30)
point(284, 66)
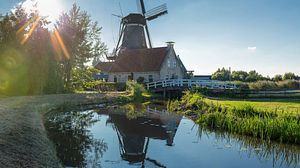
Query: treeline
point(37, 60)
point(251, 76)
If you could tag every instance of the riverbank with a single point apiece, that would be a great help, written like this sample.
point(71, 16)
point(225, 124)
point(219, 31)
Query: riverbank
point(23, 139)
point(268, 120)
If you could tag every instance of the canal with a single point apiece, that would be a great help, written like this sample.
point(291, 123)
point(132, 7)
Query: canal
point(148, 136)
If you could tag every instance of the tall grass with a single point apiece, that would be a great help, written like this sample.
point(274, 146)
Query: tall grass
point(242, 119)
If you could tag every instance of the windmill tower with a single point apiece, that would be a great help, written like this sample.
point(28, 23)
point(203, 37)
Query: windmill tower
point(134, 31)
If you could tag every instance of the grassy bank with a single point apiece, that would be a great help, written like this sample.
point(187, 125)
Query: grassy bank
point(23, 139)
point(279, 105)
point(266, 120)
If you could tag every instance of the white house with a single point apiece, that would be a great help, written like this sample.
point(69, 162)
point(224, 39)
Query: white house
point(147, 65)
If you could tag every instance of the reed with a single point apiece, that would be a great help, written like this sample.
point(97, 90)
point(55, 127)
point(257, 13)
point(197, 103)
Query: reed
point(243, 119)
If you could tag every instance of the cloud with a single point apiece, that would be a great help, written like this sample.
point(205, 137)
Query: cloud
point(252, 48)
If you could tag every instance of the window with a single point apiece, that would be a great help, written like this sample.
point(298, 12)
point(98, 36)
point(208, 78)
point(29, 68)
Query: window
point(169, 63)
point(167, 77)
point(174, 64)
point(115, 79)
point(150, 78)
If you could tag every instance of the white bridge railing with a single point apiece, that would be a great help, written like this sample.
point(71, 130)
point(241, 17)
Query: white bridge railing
point(188, 83)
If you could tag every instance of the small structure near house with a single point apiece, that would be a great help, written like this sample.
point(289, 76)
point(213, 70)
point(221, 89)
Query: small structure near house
point(201, 77)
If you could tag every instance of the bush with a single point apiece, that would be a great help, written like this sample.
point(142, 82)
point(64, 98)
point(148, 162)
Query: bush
point(263, 85)
point(271, 85)
point(140, 80)
point(135, 90)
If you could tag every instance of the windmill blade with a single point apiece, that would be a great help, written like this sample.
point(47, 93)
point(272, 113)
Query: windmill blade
point(117, 16)
point(142, 4)
point(121, 9)
point(156, 12)
point(148, 35)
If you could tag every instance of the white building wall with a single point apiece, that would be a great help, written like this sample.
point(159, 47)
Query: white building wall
point(122, 77)
point(172, 67)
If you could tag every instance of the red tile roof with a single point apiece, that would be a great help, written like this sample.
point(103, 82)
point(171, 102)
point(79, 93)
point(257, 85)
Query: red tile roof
point(138, 60)
point(104, 66)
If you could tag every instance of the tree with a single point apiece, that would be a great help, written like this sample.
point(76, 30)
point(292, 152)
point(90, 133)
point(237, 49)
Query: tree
point(253, 76)
point(27, 63)
point(289, 76)
point(277, 78)
point(239, 76)
point(222, 75)
point(35, 60)
point(83, 80)
point(81, 40)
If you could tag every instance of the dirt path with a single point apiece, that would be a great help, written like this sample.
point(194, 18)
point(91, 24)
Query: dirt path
point(23, 139)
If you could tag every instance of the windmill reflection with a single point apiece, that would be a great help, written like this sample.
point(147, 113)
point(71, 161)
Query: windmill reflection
point(135, 132)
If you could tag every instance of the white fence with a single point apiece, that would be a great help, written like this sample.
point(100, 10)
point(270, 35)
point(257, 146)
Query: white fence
point(188, 83)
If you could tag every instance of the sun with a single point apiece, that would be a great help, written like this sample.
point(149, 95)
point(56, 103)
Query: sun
point(47, 8)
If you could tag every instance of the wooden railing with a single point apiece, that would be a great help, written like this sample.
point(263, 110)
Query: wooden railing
point(188, 83)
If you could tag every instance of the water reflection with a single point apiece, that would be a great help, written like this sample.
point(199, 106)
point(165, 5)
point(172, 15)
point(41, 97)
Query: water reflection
point(138, 135)
point(74, 143)
point(140, 125)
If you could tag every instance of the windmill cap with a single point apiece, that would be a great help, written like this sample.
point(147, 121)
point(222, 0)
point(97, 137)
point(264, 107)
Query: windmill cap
point(134, 18)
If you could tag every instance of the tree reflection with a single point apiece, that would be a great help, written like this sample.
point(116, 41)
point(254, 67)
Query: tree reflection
point(75, 145)
point(133, 111)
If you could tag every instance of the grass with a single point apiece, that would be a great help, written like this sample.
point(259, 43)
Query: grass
point(23, 138)
point(278, 121)
point(284, 105)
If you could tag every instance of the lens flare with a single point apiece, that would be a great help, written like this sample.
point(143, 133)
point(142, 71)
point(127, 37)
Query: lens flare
point(59, 45)
point(13, 73)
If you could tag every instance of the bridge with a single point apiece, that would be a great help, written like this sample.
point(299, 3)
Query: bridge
point(182, 84)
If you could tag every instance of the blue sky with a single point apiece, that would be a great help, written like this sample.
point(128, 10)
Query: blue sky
point(242, 34)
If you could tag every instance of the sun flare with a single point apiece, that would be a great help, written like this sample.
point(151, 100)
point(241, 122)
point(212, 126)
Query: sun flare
point(48, 8)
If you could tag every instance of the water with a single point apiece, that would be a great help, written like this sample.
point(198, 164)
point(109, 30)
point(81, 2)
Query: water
point(132, 136)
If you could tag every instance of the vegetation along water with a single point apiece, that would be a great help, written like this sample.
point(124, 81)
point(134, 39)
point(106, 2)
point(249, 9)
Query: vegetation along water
point(276, 121)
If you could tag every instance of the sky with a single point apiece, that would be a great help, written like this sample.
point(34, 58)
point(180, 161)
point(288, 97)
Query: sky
point(262, 35)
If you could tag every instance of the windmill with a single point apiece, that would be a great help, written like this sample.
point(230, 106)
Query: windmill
point(134, 28)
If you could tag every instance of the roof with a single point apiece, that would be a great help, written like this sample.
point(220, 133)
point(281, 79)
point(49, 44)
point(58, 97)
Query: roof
point(140, 60)
point(104, 66)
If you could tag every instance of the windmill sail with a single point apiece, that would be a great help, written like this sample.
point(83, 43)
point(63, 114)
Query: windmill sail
point(156, 12)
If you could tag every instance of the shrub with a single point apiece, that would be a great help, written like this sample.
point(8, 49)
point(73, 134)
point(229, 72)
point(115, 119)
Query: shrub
point(140, 80)
point(135, 90)
point(263, 85)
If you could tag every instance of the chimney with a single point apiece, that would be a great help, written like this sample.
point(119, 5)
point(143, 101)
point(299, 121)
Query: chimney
point(170, 44)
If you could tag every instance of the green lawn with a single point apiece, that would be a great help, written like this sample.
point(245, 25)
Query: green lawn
point(286, 105)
